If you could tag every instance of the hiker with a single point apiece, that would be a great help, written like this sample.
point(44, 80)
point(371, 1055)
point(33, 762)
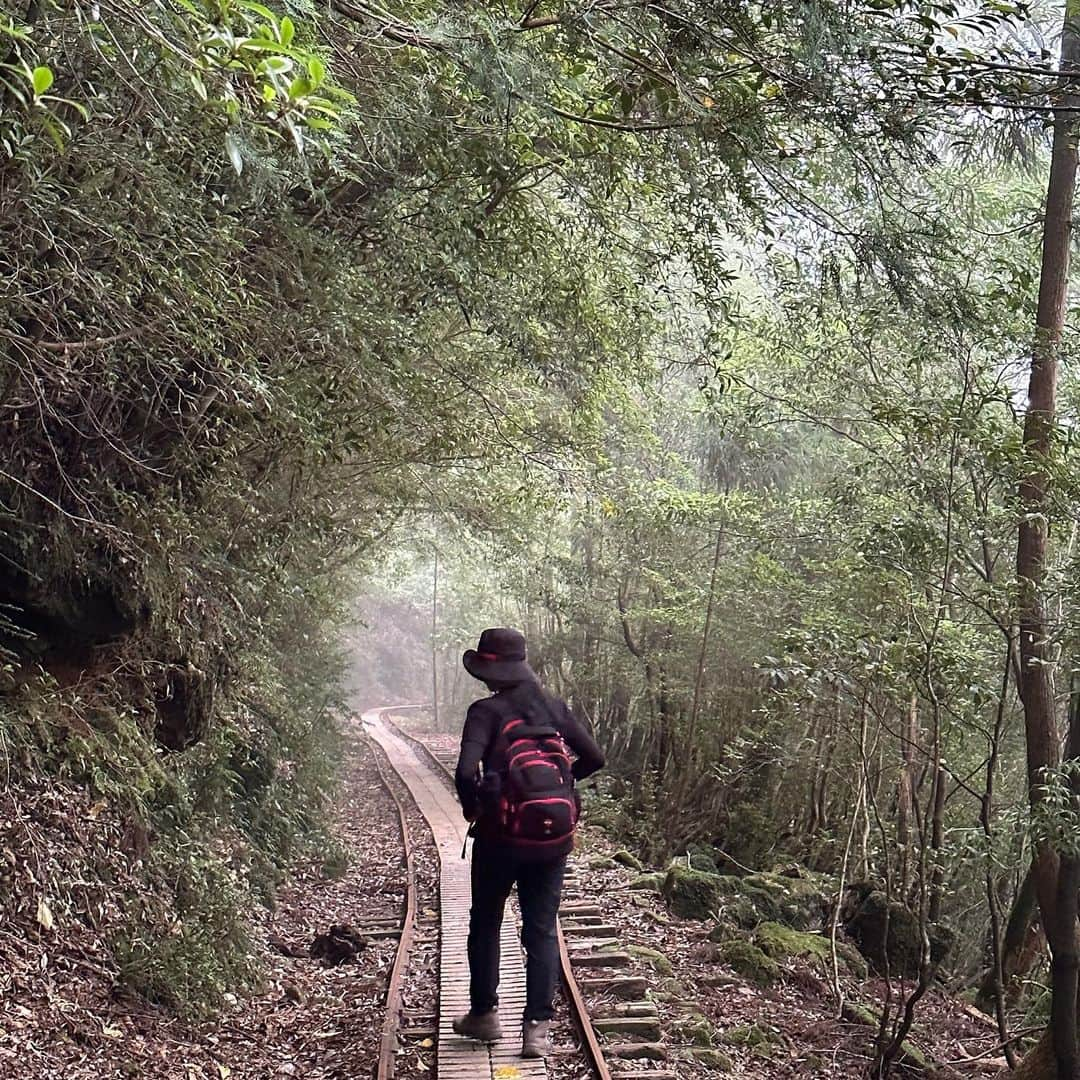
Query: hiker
point(516, 785)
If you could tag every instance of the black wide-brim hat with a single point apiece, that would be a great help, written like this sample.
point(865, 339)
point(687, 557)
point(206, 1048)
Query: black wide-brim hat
point(499, 657)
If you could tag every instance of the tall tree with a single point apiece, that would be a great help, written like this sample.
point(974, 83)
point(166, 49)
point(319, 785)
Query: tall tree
point(1057, 900)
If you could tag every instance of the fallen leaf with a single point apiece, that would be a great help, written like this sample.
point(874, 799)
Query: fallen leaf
point(44, 914)
point(507, 1072)
point(426, 1043)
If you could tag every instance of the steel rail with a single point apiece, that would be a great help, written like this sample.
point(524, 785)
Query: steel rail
point(575, 999)
point(388, 1039)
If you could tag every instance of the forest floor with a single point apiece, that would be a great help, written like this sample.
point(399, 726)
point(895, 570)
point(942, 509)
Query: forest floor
point(61, 1014)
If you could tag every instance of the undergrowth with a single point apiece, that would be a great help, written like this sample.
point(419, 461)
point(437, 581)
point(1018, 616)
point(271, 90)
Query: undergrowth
point(186, 843)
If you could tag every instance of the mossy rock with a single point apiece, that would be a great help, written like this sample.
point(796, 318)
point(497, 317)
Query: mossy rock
point(782, 943)
point(653, 957)
point(653, 882)
point(602, 862)
point(712, 1060)
point(626, 858)
point(700, 857)
point(796, 902)
point(754, 1037)
point(887, 933)
point(692, 894)
point(746, 901)
point(696, 1030)
point(749, 961)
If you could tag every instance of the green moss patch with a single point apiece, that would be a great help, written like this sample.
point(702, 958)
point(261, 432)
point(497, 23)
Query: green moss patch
point(749, 961)
point(653, 957)
point(649, 882)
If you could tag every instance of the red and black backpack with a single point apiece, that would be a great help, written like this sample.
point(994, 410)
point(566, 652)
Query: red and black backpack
point(537, 805)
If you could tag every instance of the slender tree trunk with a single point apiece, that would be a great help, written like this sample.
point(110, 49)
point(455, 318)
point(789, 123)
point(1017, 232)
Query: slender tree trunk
point(1036, 659)
point(700, 673)
point(905, 794)
point(434, 646)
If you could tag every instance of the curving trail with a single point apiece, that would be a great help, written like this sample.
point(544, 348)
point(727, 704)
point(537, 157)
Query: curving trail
point(458, 1058)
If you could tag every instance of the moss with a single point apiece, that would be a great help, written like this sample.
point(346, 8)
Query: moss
point(653, 882)
point(712, 1060)
point(700, 857)
point(653, 957)
point(602, 862)
point(625, 858)
point(751, 1037)
point(696, 1030)
point(782, 943)
point(746, 901)
point(749, 961)
point(692, 894)
point(854, 1013)
point(887, 933)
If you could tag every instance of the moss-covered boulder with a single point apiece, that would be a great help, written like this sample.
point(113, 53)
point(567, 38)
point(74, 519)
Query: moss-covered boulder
point(693, 894)
point(887, 933)
point(910, 1055)
point(750, 1035)
point(653, 882)
point(700, 857)
point(626, 858)
point(749, 961)
point(602, 862)
point(746, 901)
point(782, 943)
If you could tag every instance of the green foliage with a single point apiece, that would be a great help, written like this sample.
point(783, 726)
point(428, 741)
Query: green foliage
point(196, 950)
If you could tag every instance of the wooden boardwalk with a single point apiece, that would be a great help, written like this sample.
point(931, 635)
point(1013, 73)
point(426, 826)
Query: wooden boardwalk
point(458, 1058)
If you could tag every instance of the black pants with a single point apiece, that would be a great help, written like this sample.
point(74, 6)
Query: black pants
point(539, 885)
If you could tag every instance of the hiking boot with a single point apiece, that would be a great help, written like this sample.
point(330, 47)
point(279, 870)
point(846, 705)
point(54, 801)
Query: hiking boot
point(534, 1039)
point(483, 1027)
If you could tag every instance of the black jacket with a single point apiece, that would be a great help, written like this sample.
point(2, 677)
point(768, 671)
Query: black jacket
point(483, 722)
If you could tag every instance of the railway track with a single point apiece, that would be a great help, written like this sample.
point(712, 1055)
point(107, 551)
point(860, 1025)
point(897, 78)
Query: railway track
point(586, 946)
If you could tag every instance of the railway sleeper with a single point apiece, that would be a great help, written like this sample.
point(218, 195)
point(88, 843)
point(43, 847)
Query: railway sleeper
point(629, 1008)
point(599, 944)
point(646, 1051)
point(601, 959)
point(644, 1074)
point(589, 929)
point(624, 987)
point(644, 1027)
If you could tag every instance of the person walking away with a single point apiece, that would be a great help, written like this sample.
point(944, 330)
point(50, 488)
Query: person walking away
point(516, 781)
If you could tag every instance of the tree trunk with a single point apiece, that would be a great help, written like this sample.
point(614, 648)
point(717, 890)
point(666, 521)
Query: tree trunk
point(905, 795)
point(1036, 659)
point(434, 645)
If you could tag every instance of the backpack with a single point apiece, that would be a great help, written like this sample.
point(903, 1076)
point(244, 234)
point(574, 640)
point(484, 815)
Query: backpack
point(537, 804)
